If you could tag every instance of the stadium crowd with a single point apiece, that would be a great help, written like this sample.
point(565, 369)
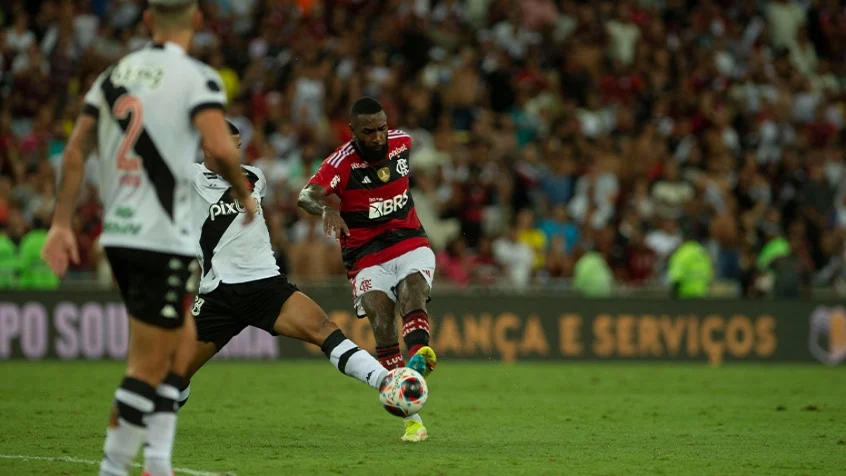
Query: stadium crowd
point(545, 133)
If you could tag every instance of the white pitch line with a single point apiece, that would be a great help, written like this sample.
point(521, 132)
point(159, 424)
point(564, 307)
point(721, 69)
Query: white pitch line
point(70, 459)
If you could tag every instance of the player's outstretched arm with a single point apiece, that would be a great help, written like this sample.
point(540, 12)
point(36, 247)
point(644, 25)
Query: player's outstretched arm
point(313, 199)
point(218, 142)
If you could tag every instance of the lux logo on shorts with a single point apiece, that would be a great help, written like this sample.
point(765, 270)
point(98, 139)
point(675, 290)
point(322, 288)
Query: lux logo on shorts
point(198, 305)
point(386, 207)
point(222, 208)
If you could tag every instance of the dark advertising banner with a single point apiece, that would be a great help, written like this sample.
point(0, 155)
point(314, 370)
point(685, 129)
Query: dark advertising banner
point(93, 326)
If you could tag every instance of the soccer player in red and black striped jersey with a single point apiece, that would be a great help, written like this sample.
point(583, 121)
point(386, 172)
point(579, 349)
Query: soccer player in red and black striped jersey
point(385, 249)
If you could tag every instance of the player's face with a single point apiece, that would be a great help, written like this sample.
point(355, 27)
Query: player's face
point(371, 136)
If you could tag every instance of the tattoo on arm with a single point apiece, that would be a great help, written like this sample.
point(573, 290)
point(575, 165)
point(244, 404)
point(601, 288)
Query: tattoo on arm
point(313, 199)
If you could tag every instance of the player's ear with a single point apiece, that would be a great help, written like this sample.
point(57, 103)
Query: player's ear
point(148, 19)
point(198, 19)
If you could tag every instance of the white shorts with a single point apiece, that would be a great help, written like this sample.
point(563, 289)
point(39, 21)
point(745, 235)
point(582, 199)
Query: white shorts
point(386, 276)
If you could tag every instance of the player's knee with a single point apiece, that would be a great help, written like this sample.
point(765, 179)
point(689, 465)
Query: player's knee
point(412, 292)
point(319, 328)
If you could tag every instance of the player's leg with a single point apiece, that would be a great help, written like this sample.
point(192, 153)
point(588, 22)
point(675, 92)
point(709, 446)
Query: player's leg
point(154, 330)
point(148, 361)
point(166, 296)
point(380, 309)
point(162, 422)
point(301, 318)
point(216, 324)
point(416, 269)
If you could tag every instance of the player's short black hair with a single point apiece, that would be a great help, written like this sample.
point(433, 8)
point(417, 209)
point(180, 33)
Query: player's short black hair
point(232, 129)
point(364, 107)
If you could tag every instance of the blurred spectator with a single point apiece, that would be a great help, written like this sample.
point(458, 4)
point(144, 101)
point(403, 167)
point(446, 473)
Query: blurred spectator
point(617, 126)
point(9, 262)
point(454, 264)
point(532, 237)
point(34, 272)
point(516, 259)
point(690, 271)
point(559, 226)
point(592, 276)
point(671, 193)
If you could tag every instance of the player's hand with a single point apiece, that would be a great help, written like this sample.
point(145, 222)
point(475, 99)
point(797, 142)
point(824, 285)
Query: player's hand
point(60, 249)
point(333, 223)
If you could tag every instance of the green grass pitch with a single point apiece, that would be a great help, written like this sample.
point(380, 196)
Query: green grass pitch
point(483, 418)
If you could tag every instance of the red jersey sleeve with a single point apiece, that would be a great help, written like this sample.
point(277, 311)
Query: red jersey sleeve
point(334, 172)
point(401, 138)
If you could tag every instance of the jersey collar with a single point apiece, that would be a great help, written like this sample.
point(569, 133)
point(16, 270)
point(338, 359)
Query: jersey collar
point(168, 45)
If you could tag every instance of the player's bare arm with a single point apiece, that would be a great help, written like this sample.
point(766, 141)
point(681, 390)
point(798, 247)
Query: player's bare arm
point(60, 247)
point(82, 142)
point(217, 141)
point(313, 199)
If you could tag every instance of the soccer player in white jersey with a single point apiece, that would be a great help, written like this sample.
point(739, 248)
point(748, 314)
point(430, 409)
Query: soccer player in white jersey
point(241, 285)
point(146, 114)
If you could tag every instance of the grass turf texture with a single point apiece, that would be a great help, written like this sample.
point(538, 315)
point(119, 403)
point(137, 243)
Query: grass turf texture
point(587, 419)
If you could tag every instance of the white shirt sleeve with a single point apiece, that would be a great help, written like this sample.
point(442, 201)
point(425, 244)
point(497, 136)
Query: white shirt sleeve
point(94, 99)
point(205, 91)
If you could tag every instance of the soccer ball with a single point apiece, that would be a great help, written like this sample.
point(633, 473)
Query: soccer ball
point(404, 393)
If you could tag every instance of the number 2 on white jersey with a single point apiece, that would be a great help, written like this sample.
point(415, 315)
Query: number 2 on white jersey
point(129, 107)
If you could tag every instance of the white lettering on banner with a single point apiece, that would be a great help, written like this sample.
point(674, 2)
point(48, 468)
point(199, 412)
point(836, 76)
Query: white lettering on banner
point(34, 337)
point(28, 326)
point(91, 328)
point(67, 341)
point(10, 328)
point(119, 327)
point(93, 331)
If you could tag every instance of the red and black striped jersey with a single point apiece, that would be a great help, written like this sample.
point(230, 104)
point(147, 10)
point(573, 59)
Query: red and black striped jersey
point(376, 203)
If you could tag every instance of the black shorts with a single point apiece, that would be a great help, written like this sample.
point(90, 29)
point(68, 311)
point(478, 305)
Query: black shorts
point(154, 285)
point(223, 313)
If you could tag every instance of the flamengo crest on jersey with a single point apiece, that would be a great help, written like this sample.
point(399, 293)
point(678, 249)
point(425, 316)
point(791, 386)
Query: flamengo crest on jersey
point(144, 106)
point(376, 203)
point(228, 250)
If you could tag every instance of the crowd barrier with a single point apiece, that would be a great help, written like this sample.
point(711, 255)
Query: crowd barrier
point(93, 326)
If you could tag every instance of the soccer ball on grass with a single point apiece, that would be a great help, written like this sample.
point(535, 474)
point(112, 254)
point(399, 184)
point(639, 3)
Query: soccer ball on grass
point(404, 392)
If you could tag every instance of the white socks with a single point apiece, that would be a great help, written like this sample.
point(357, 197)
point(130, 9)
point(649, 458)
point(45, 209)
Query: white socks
point(351, 360)
point(161, 428)
point(134, 400)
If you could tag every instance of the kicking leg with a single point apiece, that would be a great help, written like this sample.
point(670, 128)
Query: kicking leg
point(301, 318)
point(412, 293)
point(203, 352)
